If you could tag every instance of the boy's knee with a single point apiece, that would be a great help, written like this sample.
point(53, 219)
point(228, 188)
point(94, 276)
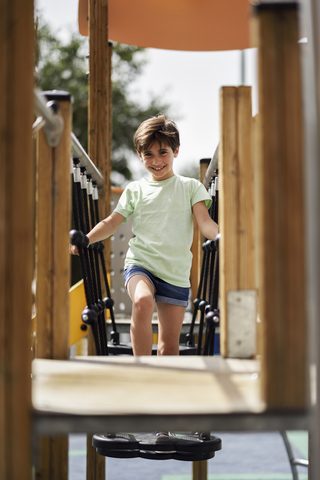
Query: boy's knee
point(167, 349)
point(144, 302)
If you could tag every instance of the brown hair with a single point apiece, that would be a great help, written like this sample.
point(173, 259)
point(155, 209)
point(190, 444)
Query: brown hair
point(157, 129)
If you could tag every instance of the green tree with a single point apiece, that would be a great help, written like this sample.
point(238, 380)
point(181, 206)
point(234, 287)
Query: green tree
point(63, 66)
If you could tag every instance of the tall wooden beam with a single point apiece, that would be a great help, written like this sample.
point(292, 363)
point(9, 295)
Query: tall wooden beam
point(98, 105)
point(236, 219)
point(281, 207)
point(107, 191)
point(98, 136)
point(203, 167)
point(53, 267)
point(98, 130)
point(16, 235)
point(52, 238)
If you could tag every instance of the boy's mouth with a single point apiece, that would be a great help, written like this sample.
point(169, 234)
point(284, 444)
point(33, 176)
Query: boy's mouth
point(157, 169)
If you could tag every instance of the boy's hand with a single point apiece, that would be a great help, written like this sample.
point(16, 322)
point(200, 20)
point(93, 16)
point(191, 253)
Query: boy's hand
point(77, 239)
point(73, 249)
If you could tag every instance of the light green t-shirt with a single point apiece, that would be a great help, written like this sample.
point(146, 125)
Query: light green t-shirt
point(162, 224)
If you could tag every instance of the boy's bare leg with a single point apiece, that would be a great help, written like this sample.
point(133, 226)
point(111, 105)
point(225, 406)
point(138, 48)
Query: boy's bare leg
point(170, 322)
point(141, 292)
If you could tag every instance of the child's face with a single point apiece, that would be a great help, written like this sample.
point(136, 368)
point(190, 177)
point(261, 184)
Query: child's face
point(158, 160)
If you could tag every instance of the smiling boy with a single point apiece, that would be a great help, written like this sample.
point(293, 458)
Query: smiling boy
point(158, 261)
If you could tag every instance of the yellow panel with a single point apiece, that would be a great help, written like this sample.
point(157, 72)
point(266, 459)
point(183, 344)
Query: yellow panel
point(77, 304)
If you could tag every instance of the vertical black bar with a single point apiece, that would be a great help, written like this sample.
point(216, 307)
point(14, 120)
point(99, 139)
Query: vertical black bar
point(83, 253)
point(101, 318)
point(114, 335)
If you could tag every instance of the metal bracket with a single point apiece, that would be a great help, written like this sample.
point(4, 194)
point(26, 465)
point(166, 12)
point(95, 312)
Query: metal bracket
point(53, 130)
point(242, 317)
point(49, 118)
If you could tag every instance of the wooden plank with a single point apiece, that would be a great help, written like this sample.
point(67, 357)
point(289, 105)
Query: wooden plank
point(52, 235)
point(97, 107)
point(236, 217)
point(61, 221)
point(187, 362)
point(255, 156)
point(107, 199)
point(43, 343)
point(219, 394)
point(97, 102)
point(16, 235)
point(199, 469)
point(228, 203)
point(83, 388)
point(194, 273)
point(246, 211)
point(52, 463)
point(99, 114)
point(96, 464)
point(204, 163)
point(281, 226)
point(53, 270)
point(3, 192)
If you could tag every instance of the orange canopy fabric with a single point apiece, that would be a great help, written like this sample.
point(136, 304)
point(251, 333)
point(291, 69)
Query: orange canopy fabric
point(190, 25)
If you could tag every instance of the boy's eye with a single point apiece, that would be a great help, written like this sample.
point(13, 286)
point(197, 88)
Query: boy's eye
point(163, 152)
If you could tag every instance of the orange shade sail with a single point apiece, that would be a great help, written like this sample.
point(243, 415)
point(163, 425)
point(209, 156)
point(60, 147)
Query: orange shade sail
point(190, 25)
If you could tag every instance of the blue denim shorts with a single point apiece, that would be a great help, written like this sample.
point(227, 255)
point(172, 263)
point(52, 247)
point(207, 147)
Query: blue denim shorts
point(164, 292)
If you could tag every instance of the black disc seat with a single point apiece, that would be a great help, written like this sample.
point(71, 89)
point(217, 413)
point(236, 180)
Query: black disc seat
point(126, 349)
point(183, 447)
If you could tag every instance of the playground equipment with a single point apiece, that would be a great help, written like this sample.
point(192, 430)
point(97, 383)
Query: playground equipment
point(273, 397)
point(86, 216)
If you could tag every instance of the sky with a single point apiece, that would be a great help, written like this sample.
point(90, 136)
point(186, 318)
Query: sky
point(189, 81)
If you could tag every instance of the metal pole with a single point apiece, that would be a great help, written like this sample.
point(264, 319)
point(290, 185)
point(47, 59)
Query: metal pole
point(311, 61)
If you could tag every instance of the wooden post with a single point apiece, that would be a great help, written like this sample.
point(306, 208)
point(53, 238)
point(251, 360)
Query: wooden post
point(204, 163)
point(236, 219)
point(99, 105)
point(281, 208)
point(255, 154)
point(43, 343)
point(52, 235)
point(99, 136)
point(16, 235)
point(52, 239)
point(53, 268)
point(107, 190)
point(194, 273)
point(200, 470)
point(197, 241)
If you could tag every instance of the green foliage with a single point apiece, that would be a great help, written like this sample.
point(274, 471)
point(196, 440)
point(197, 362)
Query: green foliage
point(63, 66)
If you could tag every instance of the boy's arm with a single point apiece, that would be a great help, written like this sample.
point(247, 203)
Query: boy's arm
point(102, 230)
point(105, 228)
point(207, 226)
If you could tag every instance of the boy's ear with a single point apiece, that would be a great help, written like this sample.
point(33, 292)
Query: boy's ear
point(176, 152)
point(139, 155)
